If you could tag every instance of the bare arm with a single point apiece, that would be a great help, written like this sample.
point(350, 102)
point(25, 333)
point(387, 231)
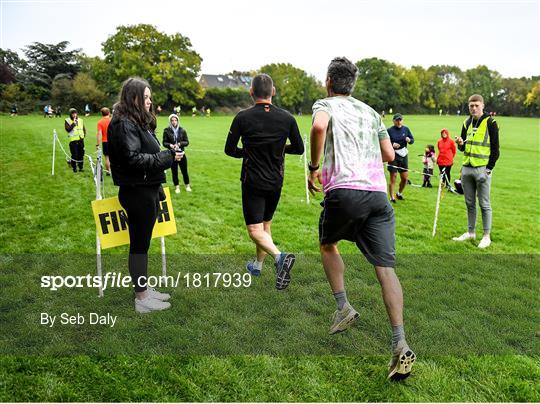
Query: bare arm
point(387, 150)
point(317, 139)
point(318, 136)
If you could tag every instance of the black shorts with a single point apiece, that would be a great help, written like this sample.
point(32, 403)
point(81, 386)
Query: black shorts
point(105, 148)
point(258, 205)
point(364, 217)
point(401, 162)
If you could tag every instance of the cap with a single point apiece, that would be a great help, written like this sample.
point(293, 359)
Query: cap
point(397, 116)
point(72, 110)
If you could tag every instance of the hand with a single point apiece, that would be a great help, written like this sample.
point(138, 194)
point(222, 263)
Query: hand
point(408, 139)
point(314, 175)
point(178, 155)
point(395, 145)
point(459, 140)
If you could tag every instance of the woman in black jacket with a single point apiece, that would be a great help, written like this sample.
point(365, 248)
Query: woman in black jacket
point(137, 166)
point(175, 137)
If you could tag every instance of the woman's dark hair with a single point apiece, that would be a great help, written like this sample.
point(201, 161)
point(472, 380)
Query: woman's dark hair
point(431, 148)
point(131, 103)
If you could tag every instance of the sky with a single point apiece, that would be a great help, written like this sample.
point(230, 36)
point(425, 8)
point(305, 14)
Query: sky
point(245, 35)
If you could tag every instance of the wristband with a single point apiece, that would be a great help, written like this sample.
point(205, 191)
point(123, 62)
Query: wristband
point(312, 168)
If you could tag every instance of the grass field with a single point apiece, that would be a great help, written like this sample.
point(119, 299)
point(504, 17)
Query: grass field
point(472, 316)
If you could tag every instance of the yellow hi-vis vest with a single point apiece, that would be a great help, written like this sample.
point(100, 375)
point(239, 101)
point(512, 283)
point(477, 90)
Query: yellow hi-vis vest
point(477, 149)
point(78, 132)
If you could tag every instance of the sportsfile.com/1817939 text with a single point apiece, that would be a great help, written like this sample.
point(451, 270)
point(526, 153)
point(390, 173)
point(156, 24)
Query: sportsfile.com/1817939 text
point(118, 280)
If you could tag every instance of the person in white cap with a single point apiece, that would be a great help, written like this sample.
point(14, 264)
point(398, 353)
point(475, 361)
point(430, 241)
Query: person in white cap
point(175, 137)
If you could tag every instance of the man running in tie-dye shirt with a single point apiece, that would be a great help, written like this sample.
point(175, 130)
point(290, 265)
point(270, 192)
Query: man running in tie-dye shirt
point(355, 205)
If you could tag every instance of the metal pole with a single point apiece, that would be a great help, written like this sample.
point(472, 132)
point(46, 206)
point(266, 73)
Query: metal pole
point(306, 169)
point(97, 182)
point(53, 150)
point(163, 258)
point(438, 204)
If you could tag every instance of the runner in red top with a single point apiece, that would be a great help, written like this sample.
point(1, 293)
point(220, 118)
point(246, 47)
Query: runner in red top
point(102, 126)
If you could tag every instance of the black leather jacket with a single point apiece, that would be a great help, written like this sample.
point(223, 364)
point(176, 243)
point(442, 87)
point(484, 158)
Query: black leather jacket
point(168, 138)
point(135, 154)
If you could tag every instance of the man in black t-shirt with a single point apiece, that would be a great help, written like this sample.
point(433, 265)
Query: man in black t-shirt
point(264, 130)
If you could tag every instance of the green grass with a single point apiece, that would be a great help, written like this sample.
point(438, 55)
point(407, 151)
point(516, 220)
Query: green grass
point(472, 316)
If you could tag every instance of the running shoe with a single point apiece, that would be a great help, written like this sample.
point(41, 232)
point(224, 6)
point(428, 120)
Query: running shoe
point(343, 319)
point(253, 269)
point(401, 362)
point(284, 265)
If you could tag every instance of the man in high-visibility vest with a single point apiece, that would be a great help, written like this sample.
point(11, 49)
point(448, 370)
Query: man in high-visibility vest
point(479, 142)
point(76, 131)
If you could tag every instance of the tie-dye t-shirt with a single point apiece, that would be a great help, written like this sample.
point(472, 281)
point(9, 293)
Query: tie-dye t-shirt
point(352, 153)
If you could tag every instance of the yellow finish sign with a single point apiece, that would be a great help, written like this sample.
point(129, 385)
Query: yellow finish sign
point(112, 221)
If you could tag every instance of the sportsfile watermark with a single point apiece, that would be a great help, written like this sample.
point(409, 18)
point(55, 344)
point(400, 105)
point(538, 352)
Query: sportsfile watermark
point(118, 280)
point(481, 305)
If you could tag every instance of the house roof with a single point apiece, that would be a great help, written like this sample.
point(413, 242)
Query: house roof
point(224, 81)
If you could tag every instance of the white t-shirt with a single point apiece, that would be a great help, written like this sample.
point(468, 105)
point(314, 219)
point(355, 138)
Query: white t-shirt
point(352, 152)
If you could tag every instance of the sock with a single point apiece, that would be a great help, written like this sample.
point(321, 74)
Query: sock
point(276, 257)
point(258, 264)
point(398, 333)
point(341, 299)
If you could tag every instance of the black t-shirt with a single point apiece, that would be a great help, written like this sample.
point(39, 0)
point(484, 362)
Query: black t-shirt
point(264, 130)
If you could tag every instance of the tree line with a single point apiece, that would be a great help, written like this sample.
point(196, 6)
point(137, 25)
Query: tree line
point(54, 74)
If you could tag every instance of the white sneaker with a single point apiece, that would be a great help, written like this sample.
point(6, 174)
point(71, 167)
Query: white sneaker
point(150, 304)
point(343, 319)
point(154, 294)
point(485, 242)
point(465, 236)
point(188, 188)
point(177, 190)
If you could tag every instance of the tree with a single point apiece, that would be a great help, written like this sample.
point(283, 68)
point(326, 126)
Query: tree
point(533, 98)
point(103, 73)
point(409, 85)
point(51, 59)
point(378, 84)
point(481, 80)
point(447, 87)
point(77, 92)
point(168, 62)
point(14, 94)
point(511, 97)
point(426, 98)
point(62, 92)
point(10, 66)
point(87, 92)
point(296, 91)
point(44, 63)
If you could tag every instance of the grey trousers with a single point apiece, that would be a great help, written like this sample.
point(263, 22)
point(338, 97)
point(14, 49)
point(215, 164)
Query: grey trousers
point(475, 182)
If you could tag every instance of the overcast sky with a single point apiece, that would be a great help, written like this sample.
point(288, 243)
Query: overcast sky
point(244, 35)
